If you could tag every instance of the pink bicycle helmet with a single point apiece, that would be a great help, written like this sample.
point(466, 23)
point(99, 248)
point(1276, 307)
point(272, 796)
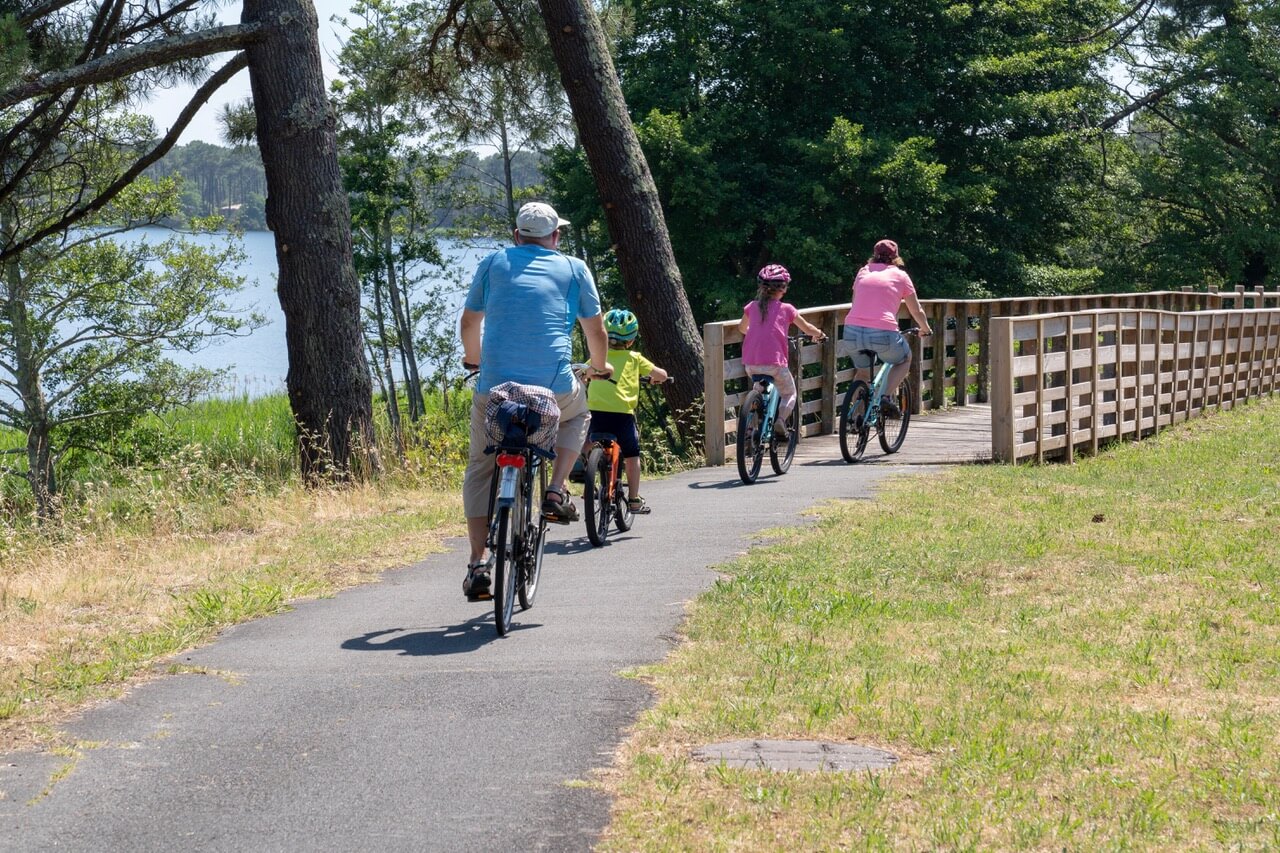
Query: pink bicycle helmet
point(774, 272)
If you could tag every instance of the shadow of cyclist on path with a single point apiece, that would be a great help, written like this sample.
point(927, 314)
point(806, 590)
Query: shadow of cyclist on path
point(447, 640)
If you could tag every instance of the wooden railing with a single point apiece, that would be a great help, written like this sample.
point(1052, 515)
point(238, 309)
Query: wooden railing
point(1065, 383)
point(950, 369)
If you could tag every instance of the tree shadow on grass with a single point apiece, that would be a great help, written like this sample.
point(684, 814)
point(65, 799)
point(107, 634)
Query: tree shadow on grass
point(446, 640)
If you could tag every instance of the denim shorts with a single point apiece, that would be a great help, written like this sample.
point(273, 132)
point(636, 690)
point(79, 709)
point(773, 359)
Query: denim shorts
point(890, 346)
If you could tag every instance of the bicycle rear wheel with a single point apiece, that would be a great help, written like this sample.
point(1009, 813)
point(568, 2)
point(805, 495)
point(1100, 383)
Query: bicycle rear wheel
point(781, 462)
point(505, 568)
point(893, 430)
point(750, 440)
point(535, 545)
point(854, 430)
point(595, 496)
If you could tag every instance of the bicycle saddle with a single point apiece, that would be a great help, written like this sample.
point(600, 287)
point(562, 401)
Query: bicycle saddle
point(761, 377)
point(604, 437)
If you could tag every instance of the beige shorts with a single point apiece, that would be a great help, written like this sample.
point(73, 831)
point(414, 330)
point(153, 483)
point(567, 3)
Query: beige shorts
point(572, 434)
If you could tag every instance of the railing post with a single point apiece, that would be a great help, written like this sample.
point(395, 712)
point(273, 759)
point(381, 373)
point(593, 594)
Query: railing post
point(984, 354)
point(915, 373)
point(938, 387)
point(1003, 437)
point(830, 352)
point(713, 393)
point(962, 354)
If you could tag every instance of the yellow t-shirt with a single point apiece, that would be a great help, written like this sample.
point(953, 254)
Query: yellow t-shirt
point(623, 393)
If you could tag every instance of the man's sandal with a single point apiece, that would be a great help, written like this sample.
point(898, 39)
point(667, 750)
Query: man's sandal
point(476, 585)
point(560, 511)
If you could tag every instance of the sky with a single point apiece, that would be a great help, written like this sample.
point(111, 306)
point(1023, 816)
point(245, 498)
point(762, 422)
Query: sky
point(166, 105)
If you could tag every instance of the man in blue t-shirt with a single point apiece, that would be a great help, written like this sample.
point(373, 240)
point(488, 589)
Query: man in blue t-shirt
point(526, 298)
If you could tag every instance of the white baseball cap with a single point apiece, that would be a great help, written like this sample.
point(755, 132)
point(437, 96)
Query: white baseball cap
point(537, 219)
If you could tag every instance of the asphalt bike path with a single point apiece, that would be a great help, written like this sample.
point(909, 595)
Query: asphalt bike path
point(391, 716)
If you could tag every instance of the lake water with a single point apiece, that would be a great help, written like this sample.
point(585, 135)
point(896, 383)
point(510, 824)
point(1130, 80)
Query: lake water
point(257, 363)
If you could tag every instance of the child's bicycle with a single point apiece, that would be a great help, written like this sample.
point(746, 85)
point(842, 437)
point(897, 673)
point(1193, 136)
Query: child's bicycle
point(755, 426)
point(604, 490)
point(861, 411)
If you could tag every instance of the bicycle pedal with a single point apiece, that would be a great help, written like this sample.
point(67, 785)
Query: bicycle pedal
point(483, 596)
point(555, 519)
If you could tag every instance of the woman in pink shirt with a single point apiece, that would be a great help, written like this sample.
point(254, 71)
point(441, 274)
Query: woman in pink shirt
point(879, 289)
point(764, 326)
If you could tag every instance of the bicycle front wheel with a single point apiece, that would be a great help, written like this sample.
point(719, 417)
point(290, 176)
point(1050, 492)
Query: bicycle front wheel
point(750, 439)
point(780, 457)
point(535, 545)
point(854, 430)
point(893, 430)
point(505, 569)
point(596, 499)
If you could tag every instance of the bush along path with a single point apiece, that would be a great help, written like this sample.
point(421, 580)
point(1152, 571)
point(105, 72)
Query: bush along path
point(392, 715)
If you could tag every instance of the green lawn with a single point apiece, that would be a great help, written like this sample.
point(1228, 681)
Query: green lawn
point(1064, 657)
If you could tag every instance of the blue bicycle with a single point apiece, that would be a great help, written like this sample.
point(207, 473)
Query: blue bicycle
point(755, 426)
point(862, 410)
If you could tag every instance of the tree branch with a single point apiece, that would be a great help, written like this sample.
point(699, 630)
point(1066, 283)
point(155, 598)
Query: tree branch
point(239, 62)
point(130, 60)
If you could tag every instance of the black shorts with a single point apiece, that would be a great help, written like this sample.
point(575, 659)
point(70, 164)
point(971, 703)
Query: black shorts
point(622, 426)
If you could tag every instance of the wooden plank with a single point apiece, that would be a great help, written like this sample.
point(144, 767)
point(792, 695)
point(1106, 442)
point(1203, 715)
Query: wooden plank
point(1039, 388)
point(984, 353)
point(713, 393)
point(1004, 443)
point(938, 387)
point(962, 356)
point(830, 353)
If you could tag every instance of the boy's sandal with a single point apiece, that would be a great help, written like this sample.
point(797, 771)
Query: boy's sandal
point(561, 511)
point(638, 506)
point(475, 586)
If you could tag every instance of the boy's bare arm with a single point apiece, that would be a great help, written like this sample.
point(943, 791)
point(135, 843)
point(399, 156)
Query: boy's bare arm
point(657, 376)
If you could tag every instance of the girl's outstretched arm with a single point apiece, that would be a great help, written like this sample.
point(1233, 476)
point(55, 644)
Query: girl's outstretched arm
point(809, 329)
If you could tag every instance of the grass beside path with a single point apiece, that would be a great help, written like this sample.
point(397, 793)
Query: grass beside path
point(80, 618)
point(1064, 657)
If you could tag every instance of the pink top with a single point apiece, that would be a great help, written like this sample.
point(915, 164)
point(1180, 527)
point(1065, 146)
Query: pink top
point(878, 291)
point(766, 341)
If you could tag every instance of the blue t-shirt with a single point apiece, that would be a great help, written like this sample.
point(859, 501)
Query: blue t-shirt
point(531, 297)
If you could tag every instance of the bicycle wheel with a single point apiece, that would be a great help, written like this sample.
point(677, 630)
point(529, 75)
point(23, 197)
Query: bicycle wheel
point(854, 430)
point(595, 496)
point(535, 545)
point(782, 461)
point(893, 430)
point(750, 441)
point(505, 568)
point(623, 517)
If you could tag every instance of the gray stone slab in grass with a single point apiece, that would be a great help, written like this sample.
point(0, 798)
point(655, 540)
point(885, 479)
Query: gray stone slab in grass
point(803, 755)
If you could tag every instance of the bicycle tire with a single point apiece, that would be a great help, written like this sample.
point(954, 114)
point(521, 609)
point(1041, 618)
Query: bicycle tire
point(750, 443)
point(854, 430)
point(623, 517)
point(505, 568)
point(782, 463)
point(595, 496)
point(892, 431)
point(531, 571)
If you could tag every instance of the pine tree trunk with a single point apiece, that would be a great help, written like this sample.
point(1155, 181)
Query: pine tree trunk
point(400, 310)
point(636, 223)
point(328, 380)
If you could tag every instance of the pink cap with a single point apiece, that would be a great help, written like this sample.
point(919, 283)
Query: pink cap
point(886, 247)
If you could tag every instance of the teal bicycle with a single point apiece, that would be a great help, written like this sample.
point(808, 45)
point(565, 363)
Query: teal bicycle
point(755, 426)
point(862, 411)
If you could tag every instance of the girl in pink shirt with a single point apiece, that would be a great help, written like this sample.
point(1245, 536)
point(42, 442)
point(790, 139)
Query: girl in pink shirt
point(879, 289)
point(764, 326)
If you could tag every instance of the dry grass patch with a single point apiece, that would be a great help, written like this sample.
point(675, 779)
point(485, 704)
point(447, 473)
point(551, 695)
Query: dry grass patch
point(82, 617)
point(1052, 680)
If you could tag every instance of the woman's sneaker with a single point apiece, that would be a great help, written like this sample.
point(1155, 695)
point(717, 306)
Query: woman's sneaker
point(889, 407)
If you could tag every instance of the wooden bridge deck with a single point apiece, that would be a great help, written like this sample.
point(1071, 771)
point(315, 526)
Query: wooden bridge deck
point(955, 436)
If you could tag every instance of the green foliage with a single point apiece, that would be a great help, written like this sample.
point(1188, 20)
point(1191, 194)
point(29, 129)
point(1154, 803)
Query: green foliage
point(215, 180)
point(802, 134)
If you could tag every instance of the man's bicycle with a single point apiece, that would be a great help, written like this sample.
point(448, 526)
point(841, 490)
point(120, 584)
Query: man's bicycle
point(517, 530)
point(862, 411)
point(755, 426)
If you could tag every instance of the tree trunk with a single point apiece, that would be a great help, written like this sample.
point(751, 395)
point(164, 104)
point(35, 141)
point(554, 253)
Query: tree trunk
point(393, 401)
point(31, 399)
point(636, 223)
point(328, 380)
point(507, 184)
point(401, 313)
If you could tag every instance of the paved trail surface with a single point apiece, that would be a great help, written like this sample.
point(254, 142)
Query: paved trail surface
point(391, 717)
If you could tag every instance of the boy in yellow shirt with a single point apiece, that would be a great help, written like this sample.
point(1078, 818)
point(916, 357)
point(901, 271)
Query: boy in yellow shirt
point(613, 402)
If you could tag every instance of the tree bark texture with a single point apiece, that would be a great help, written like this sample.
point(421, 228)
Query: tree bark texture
point(637, 226)
point(329, 387)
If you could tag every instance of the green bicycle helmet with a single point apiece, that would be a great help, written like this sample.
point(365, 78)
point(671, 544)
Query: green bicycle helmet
point(621, 325)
